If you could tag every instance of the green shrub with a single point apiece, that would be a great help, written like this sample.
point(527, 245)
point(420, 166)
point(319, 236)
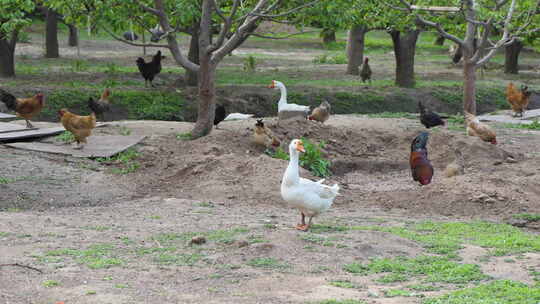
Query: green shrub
point(311, 160)
point(250, 64)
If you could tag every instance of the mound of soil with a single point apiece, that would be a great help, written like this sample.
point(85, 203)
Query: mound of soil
point(369, 160)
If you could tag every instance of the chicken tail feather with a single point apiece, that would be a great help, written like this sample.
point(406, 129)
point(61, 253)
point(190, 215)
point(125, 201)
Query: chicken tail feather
point(8, 99)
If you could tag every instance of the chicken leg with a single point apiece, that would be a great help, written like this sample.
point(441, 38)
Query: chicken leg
point(28, 124)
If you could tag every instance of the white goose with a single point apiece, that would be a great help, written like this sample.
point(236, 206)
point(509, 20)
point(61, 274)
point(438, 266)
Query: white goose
point(283, 105)
point(311, 198)
point(238, 116)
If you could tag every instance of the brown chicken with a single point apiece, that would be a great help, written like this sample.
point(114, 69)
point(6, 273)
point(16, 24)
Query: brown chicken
point(80, 126)
point(263, 136)
point(476, 128)
point(421, 168)
point(518, 99)
point(321, 113)
point(24, 107)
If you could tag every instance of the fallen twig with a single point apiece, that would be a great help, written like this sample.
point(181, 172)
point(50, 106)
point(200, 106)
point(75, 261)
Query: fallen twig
point(23, 266)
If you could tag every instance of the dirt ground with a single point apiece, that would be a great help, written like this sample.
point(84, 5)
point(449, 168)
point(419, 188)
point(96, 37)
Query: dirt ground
point(223, 182)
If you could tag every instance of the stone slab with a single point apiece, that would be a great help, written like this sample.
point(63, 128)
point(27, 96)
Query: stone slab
point(31, 133)
point(97, 146)
point(527, 118)
point(9, 127)
point(7, 117)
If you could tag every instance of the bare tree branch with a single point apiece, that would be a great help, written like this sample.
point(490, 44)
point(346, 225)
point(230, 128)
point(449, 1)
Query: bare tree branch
point(149, 9)
point(499, 4)
point(226, 27)
point(396, 7)
point(432, 24)
point(171, 38)
point(504, 39)
point(253, 13)
point(242, 30)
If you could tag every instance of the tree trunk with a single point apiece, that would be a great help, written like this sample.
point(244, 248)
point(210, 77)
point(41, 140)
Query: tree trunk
point(439, 40)
point(192, 78)
point(51, 40)
point(73, 35)
point(355, 48)
point(404, 49)
point(469, 86)
point(7, 58)
point(512, 52)
point(207, 99)
point(328, 36)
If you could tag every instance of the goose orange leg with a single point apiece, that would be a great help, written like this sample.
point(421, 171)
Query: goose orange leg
point(302, 226)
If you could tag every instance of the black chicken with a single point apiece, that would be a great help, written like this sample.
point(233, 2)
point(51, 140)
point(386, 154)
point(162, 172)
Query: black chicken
point(220, 115)
point(149, 70)
point(429, 118)
point(102, 105)
point(365, 72)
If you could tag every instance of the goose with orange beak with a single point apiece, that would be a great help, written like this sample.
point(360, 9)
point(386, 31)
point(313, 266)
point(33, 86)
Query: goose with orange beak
point(282, 104)
point(309, 197)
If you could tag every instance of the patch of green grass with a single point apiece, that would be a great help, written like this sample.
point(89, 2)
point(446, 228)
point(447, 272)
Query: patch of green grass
point(312, 238)
point(269, 226)
point(6, 180)
point(325, 228)
point(65, 136)
point(267, 263)
point(4, 234)
point(50, 283)
point(250, 64)
point(125, 131)
point(391, 293)
point(349, 301)
point(96, 256)
point(178, 259)
point(448, 237)
point(456, 119)
point(337, 58)
point(91, 292)
point(97, 228)
point(535, 125)
point(497, 292)
point(120, 286)
point(126, 159)
point(392, 278)
point(148, 105)
point(206, 204)
point(422, 287)
point(184, 136)
point(393, 115)
point(79, 65)
point(343, 284)
point(225, 236)
point(430, 268)
point(256, 239)
point(531, 217)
